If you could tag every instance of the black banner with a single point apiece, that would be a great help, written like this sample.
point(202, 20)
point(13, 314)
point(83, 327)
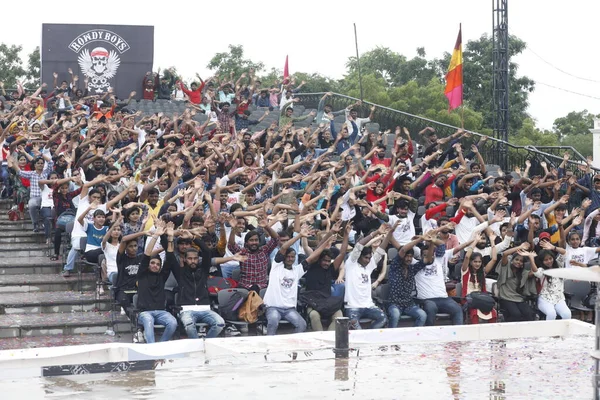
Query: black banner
point(116, 56)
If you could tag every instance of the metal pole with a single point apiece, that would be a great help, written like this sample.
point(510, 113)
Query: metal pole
point(342, 342)
point(358, 63)
point(596, 379)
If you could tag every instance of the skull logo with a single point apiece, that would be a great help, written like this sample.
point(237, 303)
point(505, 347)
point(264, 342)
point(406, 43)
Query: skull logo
point(99, 59)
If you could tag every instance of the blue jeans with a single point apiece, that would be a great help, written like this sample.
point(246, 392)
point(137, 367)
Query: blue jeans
point(414, 311)
point(338, 289)
point(75, 244)
point(276, 314)
point(4, 178)
point(445, 305)
point(47, 215)
point(112, 278)
point(372, 313)
point(34, 210)
point(158, 317)
point(227, 270)
point(190, 318)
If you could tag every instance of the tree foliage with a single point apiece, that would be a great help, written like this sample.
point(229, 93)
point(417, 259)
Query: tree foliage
point(33, 73)
point(233, 62)
point(574, 123)
point(11, 65)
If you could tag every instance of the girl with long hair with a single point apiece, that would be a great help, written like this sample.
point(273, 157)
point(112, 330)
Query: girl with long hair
point(473, 275)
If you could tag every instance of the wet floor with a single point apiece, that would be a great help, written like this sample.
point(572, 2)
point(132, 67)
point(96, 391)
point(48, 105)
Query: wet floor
point(544, 368)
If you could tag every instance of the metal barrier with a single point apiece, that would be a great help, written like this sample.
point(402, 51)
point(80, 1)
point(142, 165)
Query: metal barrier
point(388, 118)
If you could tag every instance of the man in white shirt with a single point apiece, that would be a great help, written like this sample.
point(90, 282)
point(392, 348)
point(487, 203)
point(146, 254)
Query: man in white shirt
point(352, 115)
point(468, 222)
point(281, 297)
point(359, 266)
point(431, 286)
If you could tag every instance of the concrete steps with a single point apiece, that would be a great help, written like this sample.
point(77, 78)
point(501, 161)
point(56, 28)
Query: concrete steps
point(49, 282)
point(52, 302)
point(33, 342)
point(29, 265)
point(38, 306)
point(74, 323)
point(27, 250)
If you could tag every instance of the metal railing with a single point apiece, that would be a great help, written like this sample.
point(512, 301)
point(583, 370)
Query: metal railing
point(388, 118)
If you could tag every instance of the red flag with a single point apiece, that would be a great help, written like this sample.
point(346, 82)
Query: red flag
point(286, 71)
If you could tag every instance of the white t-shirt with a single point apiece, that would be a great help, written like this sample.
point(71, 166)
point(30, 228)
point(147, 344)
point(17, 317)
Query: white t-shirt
point(465, 228)
point(358, 279)
point(84, 204)
point(430, 280)
point(348, 211)
point(283, 285)
point(47, 194)
point(406, 230)
point(581, 254)
point(428, 224)
point(239, 240)
point(110, 252)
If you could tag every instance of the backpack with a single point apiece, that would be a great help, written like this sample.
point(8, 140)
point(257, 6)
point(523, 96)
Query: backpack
point(229, 310)
point(326, 306)
point(482, 301)
point(252, 307)
point(214, 284)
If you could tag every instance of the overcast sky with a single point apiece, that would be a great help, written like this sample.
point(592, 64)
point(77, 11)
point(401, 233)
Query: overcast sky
point(319, 37)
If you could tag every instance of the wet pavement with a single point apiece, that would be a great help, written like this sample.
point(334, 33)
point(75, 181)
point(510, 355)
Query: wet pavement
point(532, 369)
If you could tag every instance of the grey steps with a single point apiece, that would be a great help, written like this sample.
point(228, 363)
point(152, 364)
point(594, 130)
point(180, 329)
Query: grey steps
point(28, 238)
point(52, 302)
point(21, 250)
point(62, 340)
point(17, 225)
point(19, 232)
point(29, 265)
point(75, 323)
point(32, 283)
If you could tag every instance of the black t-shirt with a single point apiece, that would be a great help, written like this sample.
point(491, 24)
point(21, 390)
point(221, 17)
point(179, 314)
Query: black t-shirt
point(128, 269)
point(319, 278)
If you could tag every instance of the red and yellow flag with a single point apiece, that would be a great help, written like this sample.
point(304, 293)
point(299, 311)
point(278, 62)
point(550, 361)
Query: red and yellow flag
point(454, 77)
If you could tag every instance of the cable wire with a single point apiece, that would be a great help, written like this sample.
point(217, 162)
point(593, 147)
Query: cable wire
point(568, 91)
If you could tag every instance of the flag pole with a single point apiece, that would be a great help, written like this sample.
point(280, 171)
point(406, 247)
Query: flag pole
point(462, 103)
point(358, 63)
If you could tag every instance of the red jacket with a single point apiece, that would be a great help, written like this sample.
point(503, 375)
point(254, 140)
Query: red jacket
point(194, 95)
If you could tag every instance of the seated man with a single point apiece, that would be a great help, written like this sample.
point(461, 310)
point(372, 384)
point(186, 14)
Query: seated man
point(281, 297)
point(151, 288)
point(431, 285)
point(403, 269)
point(193, 291)
point(322, 303)
point(359, 266)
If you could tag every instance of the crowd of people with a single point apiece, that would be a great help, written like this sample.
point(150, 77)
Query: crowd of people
point(323, 214)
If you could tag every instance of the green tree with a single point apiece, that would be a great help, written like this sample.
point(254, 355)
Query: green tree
point(395, 69)
point(233, 61)
point(33, 74)
point(530, 135)
point(11, 65)
point(580, 142)
point(574, 123)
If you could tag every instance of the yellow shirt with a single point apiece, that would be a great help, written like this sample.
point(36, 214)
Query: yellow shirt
point(152, 211)
point(555, 238)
